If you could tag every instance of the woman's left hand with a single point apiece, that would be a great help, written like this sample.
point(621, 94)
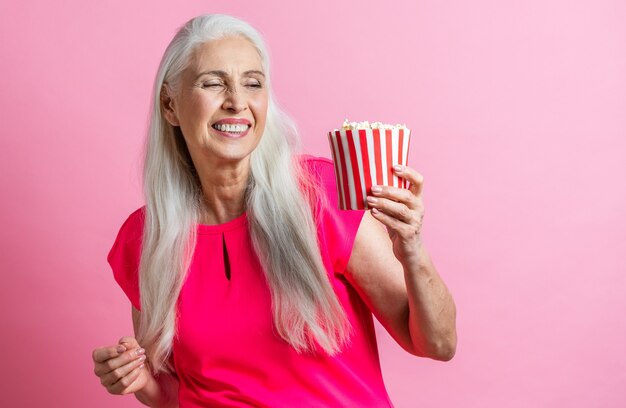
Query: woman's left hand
point(401, 211)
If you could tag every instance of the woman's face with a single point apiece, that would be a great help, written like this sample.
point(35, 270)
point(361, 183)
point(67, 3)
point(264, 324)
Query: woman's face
point(221, 103)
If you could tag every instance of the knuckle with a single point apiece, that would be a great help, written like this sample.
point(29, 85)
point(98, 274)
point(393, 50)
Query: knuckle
point(409, 232)
point(110, 364)
point(126, 339)
point(418, 206)
point(126, 390)
point(125, 381)
point(406, 234)
point(117, 373)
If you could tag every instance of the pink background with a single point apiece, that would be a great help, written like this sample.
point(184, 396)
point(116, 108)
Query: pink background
point(518, 111)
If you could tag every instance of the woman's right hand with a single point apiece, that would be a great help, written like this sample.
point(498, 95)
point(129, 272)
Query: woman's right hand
point(121, 367)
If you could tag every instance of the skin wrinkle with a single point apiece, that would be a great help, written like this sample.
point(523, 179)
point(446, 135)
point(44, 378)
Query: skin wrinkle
point(223, 74)
point(417, 320)
point(222, 163)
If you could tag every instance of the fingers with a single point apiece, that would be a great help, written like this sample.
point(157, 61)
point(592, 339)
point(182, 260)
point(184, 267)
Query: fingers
point(129, 342)
point(118, 366)
point(121, 372)
point(408, 233)
point(398, 210)
point(415, 179)
point(107, 359)
point(114, 363)
point(404, 204)
point(388, 221)
point(125, 384)
point(401, 195)
point(103, 354)
point(399, 202)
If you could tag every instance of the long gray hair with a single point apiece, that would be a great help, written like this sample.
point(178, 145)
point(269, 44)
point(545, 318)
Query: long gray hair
point(278, 201)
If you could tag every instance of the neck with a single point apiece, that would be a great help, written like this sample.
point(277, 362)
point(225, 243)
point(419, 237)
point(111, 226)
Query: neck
point(223, 188)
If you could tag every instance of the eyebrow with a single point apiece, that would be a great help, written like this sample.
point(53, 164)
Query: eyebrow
point(223, 74)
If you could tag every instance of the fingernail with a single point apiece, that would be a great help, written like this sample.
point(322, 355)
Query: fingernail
point(142, 358)
point(375, 210)
point(372, 200)
point(121, 349)
point(141, 351)
point(376, 189)
point(398, 168)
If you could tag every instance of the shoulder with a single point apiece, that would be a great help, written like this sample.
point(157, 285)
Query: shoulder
point(337, 228)
point(133, 225)
point(125, 254)
point(320, 166)
point(320, 170)
point(314, 160)
point(318, 180)
point(137, 216)
point(127, 244)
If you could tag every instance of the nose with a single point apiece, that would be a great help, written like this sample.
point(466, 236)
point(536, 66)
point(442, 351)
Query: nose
point(234, 101)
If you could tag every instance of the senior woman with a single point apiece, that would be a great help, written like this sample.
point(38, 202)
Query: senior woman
point(248, 286)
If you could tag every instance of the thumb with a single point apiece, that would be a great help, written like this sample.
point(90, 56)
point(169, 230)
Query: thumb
point(129, 342)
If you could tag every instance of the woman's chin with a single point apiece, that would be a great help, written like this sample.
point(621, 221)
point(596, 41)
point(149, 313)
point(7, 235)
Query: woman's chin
point(228, 155)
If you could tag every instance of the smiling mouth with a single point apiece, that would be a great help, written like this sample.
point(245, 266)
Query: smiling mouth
point(233, 129)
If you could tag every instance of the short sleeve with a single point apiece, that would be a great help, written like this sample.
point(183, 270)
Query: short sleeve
point(338, 228)
point(125, 254)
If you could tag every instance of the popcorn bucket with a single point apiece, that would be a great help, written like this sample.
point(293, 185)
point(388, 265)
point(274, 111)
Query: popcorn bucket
point(363, 158)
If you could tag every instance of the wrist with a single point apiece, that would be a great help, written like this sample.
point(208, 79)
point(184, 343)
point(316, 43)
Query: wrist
point(417, 261)
point(150, 393)
point(160, 391)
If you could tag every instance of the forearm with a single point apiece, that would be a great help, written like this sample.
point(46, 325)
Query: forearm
point(432, 312)
point(159, 392)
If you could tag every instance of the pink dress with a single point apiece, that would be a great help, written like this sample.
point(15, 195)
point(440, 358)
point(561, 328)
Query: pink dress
point(227, 353)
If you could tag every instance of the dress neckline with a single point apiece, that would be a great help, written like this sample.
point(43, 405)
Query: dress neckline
point(238, 222)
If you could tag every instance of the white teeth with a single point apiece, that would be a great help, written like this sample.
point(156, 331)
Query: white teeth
point(231, 128)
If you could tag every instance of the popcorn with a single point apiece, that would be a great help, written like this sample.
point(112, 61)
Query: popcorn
point(363, 155)
point(347, 125)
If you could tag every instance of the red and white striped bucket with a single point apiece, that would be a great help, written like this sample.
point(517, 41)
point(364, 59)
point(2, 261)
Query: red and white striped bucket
point(364, 158)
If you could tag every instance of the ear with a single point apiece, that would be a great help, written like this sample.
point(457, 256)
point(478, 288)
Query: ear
point(168, 106)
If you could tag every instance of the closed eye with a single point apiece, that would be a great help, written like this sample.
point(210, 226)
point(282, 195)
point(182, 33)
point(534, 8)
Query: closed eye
point(211, 84)
point(253, 83)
